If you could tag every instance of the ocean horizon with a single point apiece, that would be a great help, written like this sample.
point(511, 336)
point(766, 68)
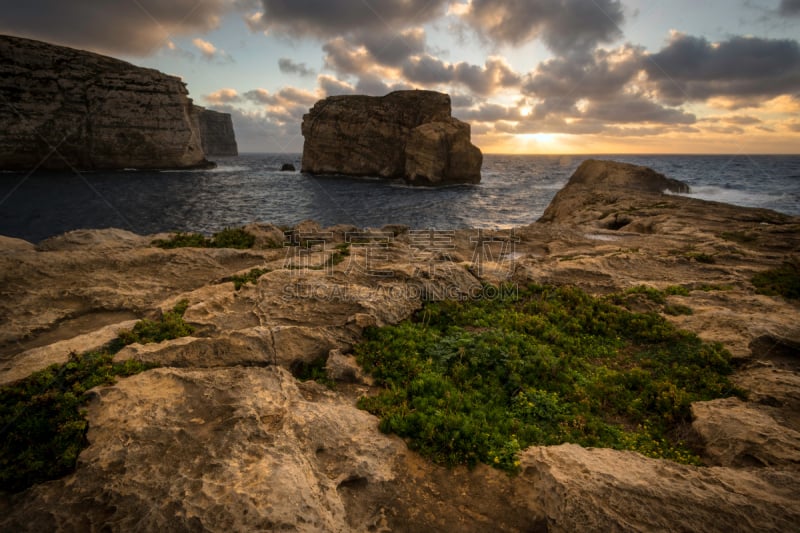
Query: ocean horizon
point(514, 191)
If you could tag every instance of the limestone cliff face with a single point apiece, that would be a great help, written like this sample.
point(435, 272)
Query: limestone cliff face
point(405, 134)
point(216, 133)
point(62, 108)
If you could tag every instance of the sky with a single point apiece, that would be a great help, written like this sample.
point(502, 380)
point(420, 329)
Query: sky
point(530, 76)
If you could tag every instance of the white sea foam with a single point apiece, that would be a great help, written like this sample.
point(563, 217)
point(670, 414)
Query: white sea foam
point(735, 196)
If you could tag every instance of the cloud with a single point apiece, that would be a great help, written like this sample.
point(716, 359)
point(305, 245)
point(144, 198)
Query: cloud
point(288, 96)
point(694, 69)
point(206, 48)
point(256, 131)
point(330, 18)
point(287, 66)
point(138, 28)
point(605, 73)
point(344, 58)
point(494, 75)
point(789, 8)
point(330, 86)
point(373, 52)
point(489, 112)
point(739, 120)
point(375, 86)
point(223, 96)
point(566, 26)
point(392, 48)
point(628, 108)
point(211, 52)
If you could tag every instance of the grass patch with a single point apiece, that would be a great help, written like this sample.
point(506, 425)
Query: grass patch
point(468, 382)
point(227, 238)
point(252, 276)
point(780, 281)
point(42, 417)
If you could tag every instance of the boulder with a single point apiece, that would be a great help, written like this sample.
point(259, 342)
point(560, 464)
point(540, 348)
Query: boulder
point(74, 109)
point(248, 450)
point(580, 489)
point(738, 434)
point(267, 236)
point(608, 180)
point(405, 134)
point(288, 167)
point(440, 152)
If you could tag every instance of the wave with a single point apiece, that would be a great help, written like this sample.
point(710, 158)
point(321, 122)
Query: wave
point(727, 195)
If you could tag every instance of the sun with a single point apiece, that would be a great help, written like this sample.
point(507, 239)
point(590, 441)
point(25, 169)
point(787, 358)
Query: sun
point(543, 139)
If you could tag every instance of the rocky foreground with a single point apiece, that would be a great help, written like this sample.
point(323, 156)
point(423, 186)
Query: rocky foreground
point(223, 437)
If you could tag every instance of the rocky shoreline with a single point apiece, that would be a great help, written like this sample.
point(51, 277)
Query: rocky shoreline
point(223, 437)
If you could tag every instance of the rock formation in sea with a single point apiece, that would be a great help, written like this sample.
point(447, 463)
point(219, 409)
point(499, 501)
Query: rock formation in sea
point(405, 134)
point(64, 109)
point(222, 437)
point(216, 133)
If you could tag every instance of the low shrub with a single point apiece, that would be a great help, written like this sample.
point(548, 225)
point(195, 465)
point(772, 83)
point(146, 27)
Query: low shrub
point(780, 281)
point(477, 381)
point(227, 238)
point(42, 417)
point(252, 276)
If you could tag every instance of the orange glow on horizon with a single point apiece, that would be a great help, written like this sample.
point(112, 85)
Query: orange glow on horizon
point(564, 144)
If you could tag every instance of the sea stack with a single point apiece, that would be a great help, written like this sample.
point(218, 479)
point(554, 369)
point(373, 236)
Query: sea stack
point(408, 135)
point(216, 133)
point(65, 109)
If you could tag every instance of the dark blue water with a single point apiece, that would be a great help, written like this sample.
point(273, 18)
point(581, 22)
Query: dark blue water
point(514, 191)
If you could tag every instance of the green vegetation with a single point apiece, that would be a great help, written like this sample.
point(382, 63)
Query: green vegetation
point(780, 281)
point(233, 238)
point(678, 309)
point(314, 370)
point(251, 277)
point(657, 296)
point(740, 237)
point(477, 381)
point(342, 251)
point(701, 257)
point(654, 295)
point(227, 238)
point(42, 418)
point(711, 287)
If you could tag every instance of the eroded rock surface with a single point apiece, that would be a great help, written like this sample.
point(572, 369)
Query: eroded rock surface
point(405, 134)
point(68, 109)
point(606, 490)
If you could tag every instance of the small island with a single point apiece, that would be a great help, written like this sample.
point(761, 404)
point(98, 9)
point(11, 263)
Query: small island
point(407, 135)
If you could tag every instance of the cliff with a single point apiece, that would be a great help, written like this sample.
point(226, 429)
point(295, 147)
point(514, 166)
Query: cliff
point(223, 437)
point(216, 133)
point(62, 109)
point(405, 134)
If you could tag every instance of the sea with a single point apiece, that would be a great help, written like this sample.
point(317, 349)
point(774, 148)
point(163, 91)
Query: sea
point(514, 191)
